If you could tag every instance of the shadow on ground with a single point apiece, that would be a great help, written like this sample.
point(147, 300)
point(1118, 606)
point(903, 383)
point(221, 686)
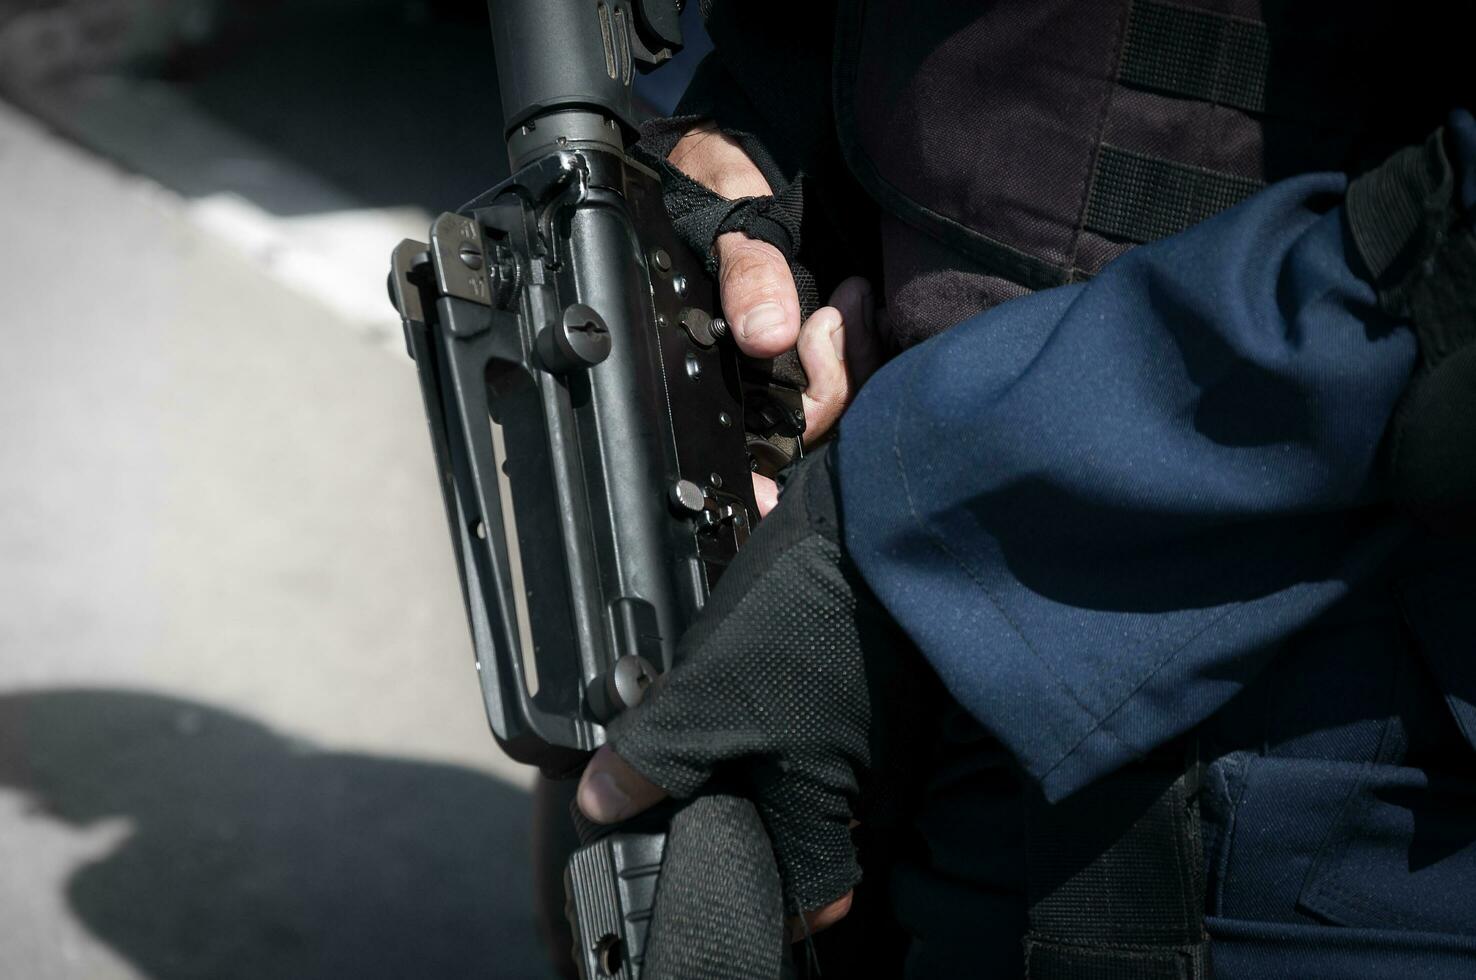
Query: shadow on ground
point(252, 856)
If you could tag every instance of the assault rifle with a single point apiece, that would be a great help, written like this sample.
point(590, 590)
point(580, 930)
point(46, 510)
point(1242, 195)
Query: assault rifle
point(594, 429)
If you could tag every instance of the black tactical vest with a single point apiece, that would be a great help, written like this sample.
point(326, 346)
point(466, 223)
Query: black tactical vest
point(1021, 144)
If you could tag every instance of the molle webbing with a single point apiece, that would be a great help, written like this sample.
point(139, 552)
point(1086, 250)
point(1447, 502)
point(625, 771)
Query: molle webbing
point(1140, 198)
point(1195, 54)
point(1188, 54)
point(1116, 880)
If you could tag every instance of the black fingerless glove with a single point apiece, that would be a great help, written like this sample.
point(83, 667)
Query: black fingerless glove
point(700, 216)
point(794, 688)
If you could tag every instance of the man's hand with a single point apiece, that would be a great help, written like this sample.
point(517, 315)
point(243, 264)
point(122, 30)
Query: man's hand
point(795, 686)
point(612, 790)
point(838, 346)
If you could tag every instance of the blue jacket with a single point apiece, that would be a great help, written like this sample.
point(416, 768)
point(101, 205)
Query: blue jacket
point(1114, 512)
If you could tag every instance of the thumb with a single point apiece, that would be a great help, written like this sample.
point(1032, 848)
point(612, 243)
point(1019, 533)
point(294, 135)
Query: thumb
point(611, 790)
point(758, 295)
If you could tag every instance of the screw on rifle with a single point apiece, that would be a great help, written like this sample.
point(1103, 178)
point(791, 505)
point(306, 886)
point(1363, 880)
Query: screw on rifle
point(661, 260)
point(719, 327)
point(724, 419)
point(679, 283)
point(621, 687)
point(579, 339)
point(470, 256)
point(715, 479)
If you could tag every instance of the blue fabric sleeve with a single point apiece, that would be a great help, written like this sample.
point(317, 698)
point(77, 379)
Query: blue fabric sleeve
point(1096, 509)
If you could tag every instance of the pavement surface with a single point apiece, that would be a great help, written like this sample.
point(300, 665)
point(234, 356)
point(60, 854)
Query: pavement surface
point(240, 734)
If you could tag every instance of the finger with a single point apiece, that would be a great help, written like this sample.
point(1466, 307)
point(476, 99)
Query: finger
point(765, 493)
point(821, 349)
point(757, 289)
point(611, 790)
point(863, 356)
point(822, 918)
point(758, 295)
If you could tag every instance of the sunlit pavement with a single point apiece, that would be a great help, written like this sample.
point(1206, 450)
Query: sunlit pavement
point(240, 734)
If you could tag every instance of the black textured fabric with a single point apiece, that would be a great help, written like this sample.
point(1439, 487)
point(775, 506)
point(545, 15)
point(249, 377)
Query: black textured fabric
point(978, 125)
point(1390, 207)
point(1421, 252)
point(718, 912)
point(795, 686)
point(700, 215)
point(1196, 54)
point(1098, 963)
point(1116, 880)
point(1141, 198)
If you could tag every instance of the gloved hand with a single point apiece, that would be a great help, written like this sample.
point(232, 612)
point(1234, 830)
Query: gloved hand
point(724, 207)
point(795, 688)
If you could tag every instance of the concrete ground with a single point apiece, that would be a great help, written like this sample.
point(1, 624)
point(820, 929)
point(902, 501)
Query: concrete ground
point(240, 734)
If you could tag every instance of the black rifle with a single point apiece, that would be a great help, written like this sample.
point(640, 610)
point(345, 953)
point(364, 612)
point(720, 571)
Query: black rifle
point(588, 417)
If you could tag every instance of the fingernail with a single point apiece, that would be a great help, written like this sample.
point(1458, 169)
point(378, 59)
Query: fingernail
point(762, 320)
point(838, 340)
point(602, 798)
